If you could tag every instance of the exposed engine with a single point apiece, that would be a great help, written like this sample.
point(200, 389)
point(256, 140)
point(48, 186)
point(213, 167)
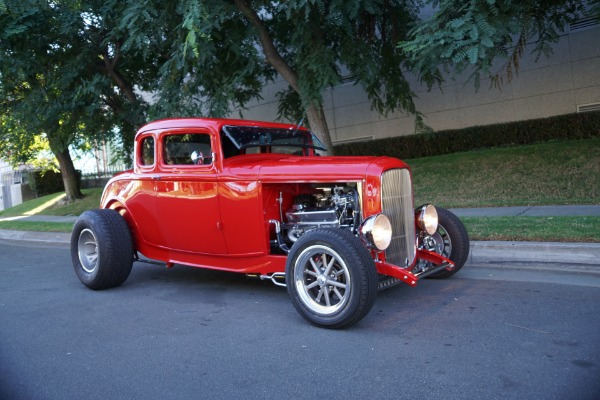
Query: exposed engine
point(330, 207)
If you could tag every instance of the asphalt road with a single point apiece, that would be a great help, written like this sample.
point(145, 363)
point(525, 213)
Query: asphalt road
point(187, 333)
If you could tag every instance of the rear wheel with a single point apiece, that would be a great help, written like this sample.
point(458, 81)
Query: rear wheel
point(331, 278)
point(101, 249)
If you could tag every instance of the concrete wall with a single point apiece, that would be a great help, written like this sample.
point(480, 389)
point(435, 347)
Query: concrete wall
point(20, 193)
point(551, 86)
point(17, 194)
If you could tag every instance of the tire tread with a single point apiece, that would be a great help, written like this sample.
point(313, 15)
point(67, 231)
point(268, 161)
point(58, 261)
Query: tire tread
point(460, 242)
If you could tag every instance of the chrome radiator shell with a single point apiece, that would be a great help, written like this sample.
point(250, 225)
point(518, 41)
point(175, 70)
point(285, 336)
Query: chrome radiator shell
point(397, 205)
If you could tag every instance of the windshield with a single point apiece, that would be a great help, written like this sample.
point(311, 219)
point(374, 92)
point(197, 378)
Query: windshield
point(279, 140)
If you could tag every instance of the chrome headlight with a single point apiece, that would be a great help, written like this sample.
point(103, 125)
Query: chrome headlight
point(427, 218)
point(376, 231)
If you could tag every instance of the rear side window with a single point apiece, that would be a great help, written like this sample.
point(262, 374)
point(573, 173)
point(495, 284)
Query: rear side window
point(147, 151)
point(187, 149)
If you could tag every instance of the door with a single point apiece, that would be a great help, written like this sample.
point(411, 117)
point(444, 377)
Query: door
point(139, 194)
point(186, 194)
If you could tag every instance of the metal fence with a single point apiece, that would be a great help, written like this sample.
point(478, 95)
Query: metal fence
point(103, 173)
point(15, 177)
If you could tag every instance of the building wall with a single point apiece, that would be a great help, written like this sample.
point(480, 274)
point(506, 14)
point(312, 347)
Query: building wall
point(557, 85)
point(4, 167)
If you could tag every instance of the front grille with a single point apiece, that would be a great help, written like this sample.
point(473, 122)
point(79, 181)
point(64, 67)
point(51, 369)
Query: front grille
point(397, 205)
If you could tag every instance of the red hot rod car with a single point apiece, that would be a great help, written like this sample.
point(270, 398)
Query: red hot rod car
point(257, 198)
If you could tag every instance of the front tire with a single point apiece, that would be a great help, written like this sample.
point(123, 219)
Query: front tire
point(101, 249)
point(452, 241)
point(331, 278)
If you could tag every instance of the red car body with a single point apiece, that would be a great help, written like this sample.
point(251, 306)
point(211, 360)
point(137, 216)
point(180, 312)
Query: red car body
point(257, 198)
point(217, 215)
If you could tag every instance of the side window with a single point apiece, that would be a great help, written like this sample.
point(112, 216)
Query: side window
point(147, 151)
point(187, 149)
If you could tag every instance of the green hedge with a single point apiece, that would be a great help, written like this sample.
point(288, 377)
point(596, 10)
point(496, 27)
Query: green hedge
point(569, 126)
point(48, 182)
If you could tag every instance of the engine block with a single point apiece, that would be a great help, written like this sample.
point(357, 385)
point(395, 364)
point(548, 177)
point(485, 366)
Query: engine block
point(330, 207)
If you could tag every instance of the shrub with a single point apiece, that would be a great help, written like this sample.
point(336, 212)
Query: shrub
point(48, 182)
point(569, 126)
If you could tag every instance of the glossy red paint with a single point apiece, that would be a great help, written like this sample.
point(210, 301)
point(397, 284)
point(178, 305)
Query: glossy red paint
point(218, 215)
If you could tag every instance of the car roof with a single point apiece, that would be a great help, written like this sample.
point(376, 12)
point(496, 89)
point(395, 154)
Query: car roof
point(215, 123)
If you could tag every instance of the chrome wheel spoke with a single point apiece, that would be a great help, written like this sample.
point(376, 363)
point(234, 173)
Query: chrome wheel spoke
point(329, 266)
point(336, 284)
point(326, 292)
point(312, 285)
point(318, 298)
point(311, 273)
point(337, 293)
point(315, 267)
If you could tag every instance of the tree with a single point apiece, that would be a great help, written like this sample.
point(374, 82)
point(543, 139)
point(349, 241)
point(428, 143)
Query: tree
point(65, 76)
point(480, 34)
point(90, 59)
point(35, 90)
point(77, 68)
point(312, 44)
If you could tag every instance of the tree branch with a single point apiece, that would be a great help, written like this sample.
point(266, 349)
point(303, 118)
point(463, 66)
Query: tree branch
point(110, 68)
point(271, 54)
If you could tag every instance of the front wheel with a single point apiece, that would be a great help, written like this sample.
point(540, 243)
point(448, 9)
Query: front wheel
point(331, 278)
point(101, 249)
point(451, 241)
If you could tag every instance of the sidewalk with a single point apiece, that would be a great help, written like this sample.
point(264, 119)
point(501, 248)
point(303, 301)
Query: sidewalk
point(42, 218)
point(543, 255)
point(38, 238)
point(529, 211)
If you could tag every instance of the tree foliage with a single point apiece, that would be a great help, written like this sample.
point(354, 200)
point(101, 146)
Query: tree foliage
point(37, 93)
point(73, 70)
point(312, 44)
point(64, 76)
point(480, 34)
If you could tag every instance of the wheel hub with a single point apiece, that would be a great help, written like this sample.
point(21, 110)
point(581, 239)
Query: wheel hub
point(317, 278)
point(434, 243)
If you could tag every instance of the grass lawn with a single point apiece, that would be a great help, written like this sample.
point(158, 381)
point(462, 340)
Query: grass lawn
point(537, 229)
point(51, 205)
point(552, 173)
point(66, 227)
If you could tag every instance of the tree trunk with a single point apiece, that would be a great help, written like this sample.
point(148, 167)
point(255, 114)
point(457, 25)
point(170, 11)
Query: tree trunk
point(318, 125)
point(69, 175)
point(315, 114)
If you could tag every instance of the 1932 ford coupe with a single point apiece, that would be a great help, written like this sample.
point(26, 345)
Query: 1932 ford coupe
point(257, 198)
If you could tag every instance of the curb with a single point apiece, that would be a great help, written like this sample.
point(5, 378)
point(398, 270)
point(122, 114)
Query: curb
point(585, 254)
point(38, 238)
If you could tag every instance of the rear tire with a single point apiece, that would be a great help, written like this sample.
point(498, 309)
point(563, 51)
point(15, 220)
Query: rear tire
point(331, 278)
point(101, 249)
